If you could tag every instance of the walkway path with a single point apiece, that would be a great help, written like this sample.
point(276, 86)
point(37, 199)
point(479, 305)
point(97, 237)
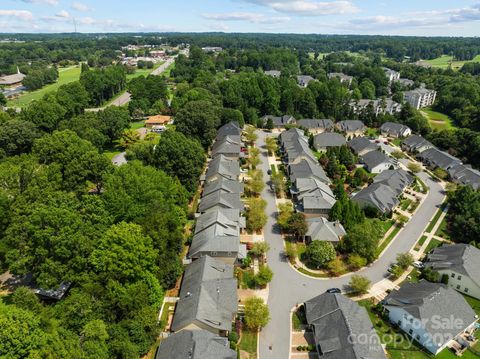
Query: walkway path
point(289, 287)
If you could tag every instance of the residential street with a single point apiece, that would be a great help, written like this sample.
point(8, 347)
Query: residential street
point(289, 287)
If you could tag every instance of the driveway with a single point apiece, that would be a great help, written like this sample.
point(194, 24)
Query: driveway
point(289, 287)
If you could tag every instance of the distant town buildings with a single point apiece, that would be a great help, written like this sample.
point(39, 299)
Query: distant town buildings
point(303, 80)
point(212, 49)
point(273, 73)
point(379, 106)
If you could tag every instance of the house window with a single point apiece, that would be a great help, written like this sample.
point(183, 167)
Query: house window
point(410, 331)
point(466, 290)
point(417, 337)
point(459, 277)
point(458, 286)
point(399, 323)
point(453, 275)
point(214, 254)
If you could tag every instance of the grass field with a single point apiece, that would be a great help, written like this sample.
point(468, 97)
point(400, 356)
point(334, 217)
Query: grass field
point(248, 341)
point(445, 61)
point(65, 76)
point(437, 120)
point(143, 72)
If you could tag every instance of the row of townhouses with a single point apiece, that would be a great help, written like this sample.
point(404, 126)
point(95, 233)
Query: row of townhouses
point(434, 158)
point(208, 299)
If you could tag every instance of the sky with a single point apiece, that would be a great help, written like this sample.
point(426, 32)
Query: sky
point(384, 17)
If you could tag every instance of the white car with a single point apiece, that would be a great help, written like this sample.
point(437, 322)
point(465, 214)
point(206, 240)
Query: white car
point(418, 264)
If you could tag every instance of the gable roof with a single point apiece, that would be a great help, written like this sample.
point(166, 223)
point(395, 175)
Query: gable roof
point(228, 220)
point(222, 166)
point(228, 145)
point(350, 126)
point(280, 121)
point(307, 169)
point(394, 128)
point(430, 303)
point(195, 344)
point(208, 295)
point(220, 200)
point(465, 175)
point(315, 123)
point(437, 158)
point(320, 229)
point(295, 145)
point(340, 75)
point(377, 195)
point(216, 238)
point(329, 139)
point(361, 144)
point(374, 158)
point(461, 258)
point(415, 142)
point(397, 179)
point(337, 321)
point(229, 129)
point(224, 185)
point(312, 187)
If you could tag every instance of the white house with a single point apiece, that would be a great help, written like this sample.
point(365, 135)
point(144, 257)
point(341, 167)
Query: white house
point(461, 263)
point(432, 314)
point(377, 161)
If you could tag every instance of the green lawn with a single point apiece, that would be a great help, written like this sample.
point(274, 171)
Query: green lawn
point(434, 243)
point(137, 125)
point(434, 220)
point(437, 120)
point(248, 342)
point(405, 203)
point(387, 240)
point(445, 61)
point(420, 243)
point(143, 72)
point(65, 76)
point(442, 230)
point(298, 318)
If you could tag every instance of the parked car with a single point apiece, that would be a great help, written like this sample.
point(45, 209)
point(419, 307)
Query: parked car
point(269, 172)
point(418, 264)
point(243, 170)
point(334, 290)
point(377, 141)
point(391, 268)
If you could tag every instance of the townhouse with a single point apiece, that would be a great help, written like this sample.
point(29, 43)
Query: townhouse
point(395, 130)
point(279, 122)
point(323, 141)
point(341, 77)
point(321, 229)
point(379, 106)
point(316, 126)
point(432, 314)
point(351, 128)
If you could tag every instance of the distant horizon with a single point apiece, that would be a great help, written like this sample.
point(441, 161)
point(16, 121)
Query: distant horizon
point(132, 33)
point(429, 18)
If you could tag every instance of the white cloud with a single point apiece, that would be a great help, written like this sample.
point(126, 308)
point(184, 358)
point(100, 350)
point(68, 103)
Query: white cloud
point(308, 7)
point(419, 19)
point(246, 16)
point(47, 2)
point(63, 14)
point(23, 15)
point(81, 7)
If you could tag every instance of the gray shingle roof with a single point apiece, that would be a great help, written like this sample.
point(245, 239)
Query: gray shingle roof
point(415, 142)
point(337, 322)
point(222, 166)
point(195, 344)
point(465, 175)
point(229, 129)
point(307, 169)
point(215, 239)
point(393, 128)
point(377, 195)
point(397, 179)
point(436, 158)
point(350, 126)
point(361, 144)
point(228, 145)
point(280, 121)
point(304, 79)
point(295, 146)
point(208, 295)
point(310, 124)
point(340, 76)
point(375, 158)
point(461, 258)
point(313, 188)
point(221, 200)
point(223, 185)
point(431, 303)
point(329, 139)
point(320, 229)
point(225, 217)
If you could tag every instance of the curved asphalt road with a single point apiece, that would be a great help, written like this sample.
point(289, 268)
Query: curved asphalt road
point(289, 287)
